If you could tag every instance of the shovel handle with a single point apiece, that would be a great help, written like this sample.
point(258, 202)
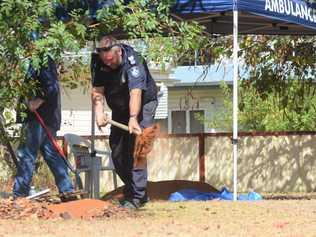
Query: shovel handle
point(119, 125)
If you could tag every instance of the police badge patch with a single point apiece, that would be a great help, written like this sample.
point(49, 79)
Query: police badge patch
point(135, 71)
point(131, 59)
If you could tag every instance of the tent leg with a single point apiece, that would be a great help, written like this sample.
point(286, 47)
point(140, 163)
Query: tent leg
point(235, 100)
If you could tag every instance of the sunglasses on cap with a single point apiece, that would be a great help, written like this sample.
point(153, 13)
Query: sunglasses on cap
point(105, 49)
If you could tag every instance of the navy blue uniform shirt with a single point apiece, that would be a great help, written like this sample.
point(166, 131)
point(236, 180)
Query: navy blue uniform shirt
point(132, 74)
point(49, 91)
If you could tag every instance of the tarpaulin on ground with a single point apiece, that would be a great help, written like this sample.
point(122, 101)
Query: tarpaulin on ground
point(224, 194)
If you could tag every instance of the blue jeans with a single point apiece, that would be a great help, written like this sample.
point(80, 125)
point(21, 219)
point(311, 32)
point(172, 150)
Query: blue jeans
point(36, 139)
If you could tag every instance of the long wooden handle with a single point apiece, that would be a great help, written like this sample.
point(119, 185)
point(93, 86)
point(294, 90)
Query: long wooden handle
point(119, 125)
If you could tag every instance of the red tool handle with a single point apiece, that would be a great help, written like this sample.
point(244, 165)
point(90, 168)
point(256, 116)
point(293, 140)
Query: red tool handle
point(58, 148)
point(50, 136)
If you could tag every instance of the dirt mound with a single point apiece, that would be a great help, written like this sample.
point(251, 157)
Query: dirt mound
point(23, 208)
point(158, 191)
point(83, 209)
point(88, 209)
point(91, 208)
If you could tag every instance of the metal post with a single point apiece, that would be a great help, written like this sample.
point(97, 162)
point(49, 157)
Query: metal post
point(235, 98)
point(92, 149)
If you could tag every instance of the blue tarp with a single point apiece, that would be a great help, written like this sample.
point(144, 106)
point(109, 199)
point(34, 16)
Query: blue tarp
point(224, 194)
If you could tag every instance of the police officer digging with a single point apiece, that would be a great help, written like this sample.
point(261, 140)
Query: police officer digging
point(121, 76)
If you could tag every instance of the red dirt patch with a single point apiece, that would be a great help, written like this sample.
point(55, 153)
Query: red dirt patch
point(159, 191)
point(82, 209)
point(91, 208)
point(85, 208)
point(23, 208)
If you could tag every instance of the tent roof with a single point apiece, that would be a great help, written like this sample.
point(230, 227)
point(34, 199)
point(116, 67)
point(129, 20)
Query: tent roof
point(283, 17)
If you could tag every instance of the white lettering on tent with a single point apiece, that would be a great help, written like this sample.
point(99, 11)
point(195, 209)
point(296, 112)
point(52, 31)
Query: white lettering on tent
point(310, 14)
point(291, 8)
point(298, 10)
point(281, 3)
point(287, 7)
point(275, 5)
point(268, 6)
point(304, 11)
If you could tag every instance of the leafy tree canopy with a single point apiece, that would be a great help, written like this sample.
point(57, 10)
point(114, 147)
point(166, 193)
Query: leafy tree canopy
point(279, 91)
point(34, 29)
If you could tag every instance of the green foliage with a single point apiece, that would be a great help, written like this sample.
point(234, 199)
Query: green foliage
point(20, 21)
point(30, 32)
point(265, 111)
point(167, 37)
point(278, 91)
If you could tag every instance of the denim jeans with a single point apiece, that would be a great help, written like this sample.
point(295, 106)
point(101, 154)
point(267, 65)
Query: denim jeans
point(36, 139)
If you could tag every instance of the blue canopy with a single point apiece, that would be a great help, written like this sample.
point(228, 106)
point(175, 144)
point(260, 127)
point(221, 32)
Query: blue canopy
point(282, 17)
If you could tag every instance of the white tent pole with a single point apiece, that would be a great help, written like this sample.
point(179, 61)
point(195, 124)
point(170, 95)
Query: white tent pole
point(93, 114)
point(235, 100)
point(92, 127)
point(92, 174)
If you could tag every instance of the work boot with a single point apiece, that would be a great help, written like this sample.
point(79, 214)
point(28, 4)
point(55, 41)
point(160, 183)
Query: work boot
point(128, 204)
point(68, 197)
point(143, 201)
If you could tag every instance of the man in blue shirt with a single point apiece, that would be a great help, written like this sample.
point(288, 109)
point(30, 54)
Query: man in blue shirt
point(121, 76)
point(47, 103)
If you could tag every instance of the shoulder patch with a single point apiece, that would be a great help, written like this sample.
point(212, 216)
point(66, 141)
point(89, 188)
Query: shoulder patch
point(131, 60)
point(135, 71)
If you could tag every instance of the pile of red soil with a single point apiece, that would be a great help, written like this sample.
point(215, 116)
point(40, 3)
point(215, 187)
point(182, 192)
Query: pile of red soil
point(159, 191)
point(23, 208)
point(91, 208)
point(88, 209)
point(82, 209)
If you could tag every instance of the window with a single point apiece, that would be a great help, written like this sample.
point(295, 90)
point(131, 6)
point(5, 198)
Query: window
point(187, 121)
point(178, 121)
point(163, 123)
point(196, 122)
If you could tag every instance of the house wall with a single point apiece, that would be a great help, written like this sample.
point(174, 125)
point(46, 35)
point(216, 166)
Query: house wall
point(76, 107)
point(210, 99)
point(76, 112)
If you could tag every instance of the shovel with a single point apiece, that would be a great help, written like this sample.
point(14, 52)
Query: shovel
point(58, 149)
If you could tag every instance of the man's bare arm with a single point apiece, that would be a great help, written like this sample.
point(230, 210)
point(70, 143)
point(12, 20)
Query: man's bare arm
point(134, 109)
point(98, 102)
